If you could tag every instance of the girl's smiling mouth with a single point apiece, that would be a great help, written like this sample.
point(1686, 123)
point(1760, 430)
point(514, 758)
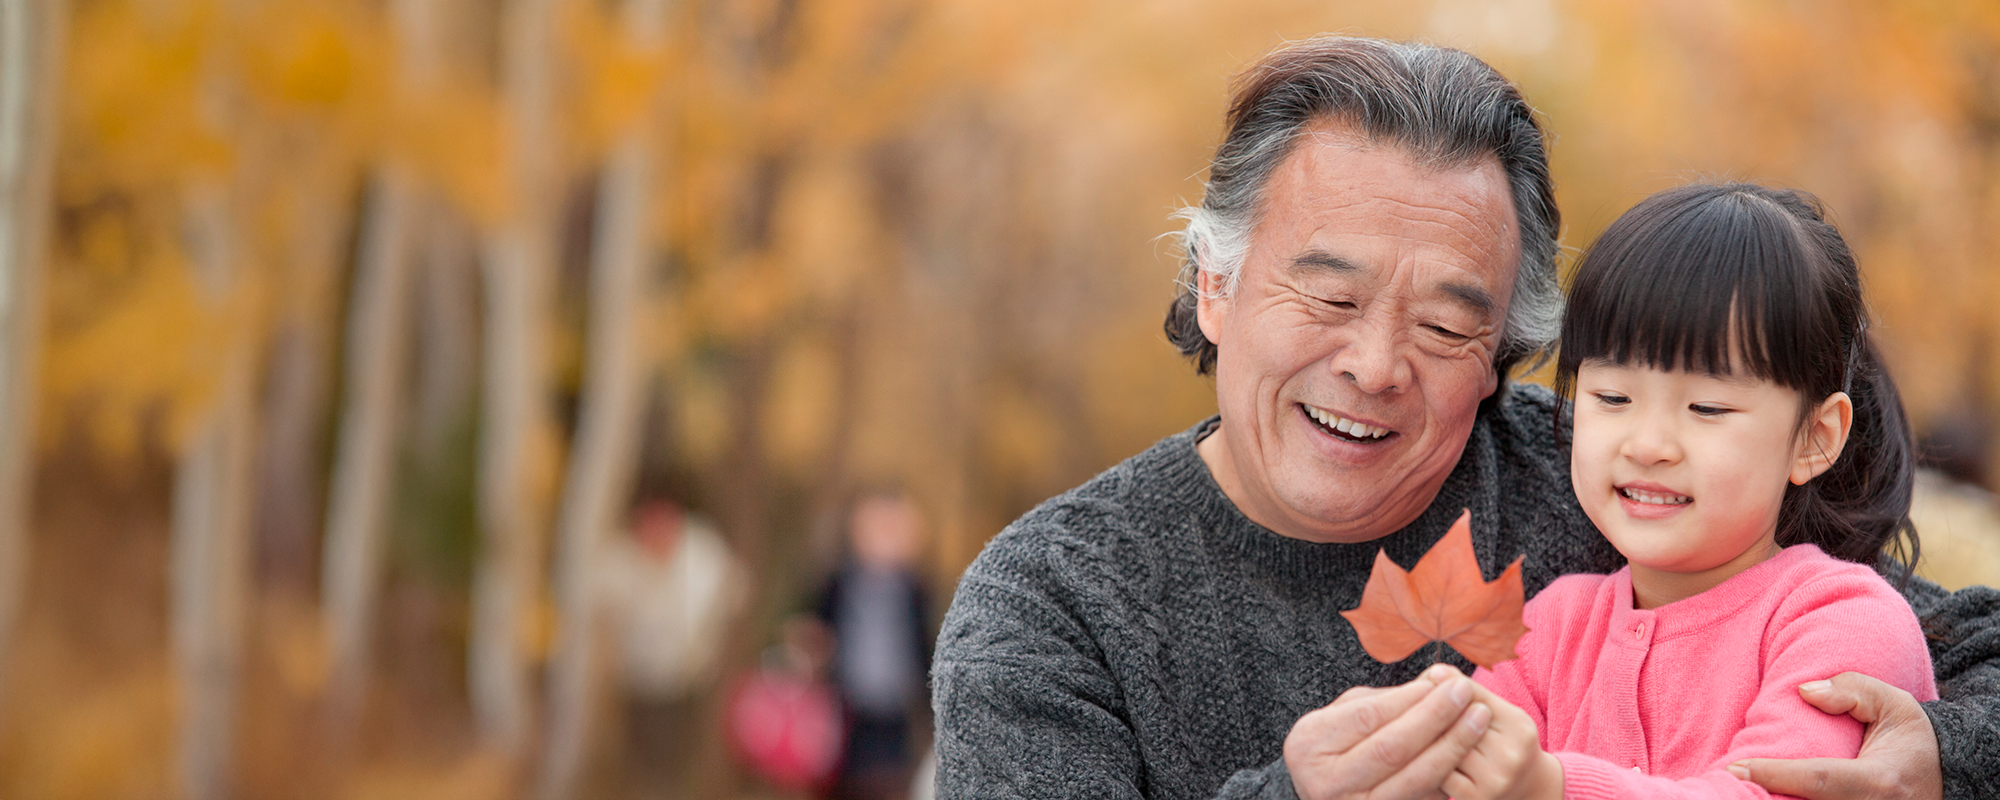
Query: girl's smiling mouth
point(1650, 500)
point(1654, 498)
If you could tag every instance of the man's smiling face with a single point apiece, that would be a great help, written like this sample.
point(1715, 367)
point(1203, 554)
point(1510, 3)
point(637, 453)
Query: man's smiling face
point(1354, 352)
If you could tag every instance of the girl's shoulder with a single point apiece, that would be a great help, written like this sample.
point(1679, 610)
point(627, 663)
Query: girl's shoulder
point(1847, 603)
point(1815, 579)
point(1840, 616)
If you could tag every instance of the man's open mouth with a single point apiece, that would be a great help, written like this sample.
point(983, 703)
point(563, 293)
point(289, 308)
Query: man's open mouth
point(1344, 429)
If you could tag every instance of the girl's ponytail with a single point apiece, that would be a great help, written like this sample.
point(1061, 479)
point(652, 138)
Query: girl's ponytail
point(1859, 509)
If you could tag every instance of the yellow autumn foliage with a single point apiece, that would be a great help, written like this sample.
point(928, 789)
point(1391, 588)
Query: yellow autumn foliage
point(950, 206)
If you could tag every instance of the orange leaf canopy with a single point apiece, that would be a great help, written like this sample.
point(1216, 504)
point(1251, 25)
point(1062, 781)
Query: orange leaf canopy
point(1444, 599)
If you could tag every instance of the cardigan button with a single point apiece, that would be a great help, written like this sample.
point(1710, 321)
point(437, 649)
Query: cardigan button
point(1639, 631)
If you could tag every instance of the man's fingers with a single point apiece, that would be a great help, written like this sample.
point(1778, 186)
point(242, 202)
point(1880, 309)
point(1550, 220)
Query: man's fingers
point(1847, 693)
point(1333, 734)
point(1357, 715)
point(1898, 755)
point(1357, 742)
point(1436, 763)
point(1400, 740)
point(1859, 696)
point(1811, 777)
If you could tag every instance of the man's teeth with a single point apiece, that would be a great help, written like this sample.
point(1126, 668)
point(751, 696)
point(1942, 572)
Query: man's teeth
point(1346, 426)
point(1653, 498)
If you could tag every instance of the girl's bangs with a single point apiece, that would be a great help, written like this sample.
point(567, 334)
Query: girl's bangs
point(1710, 283)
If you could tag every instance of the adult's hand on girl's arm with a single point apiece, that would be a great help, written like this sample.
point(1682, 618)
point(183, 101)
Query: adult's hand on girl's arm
point(1386, 744)
point(1898, 758)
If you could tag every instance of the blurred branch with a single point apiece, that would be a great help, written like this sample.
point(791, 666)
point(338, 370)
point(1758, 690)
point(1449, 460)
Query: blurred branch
point(210, 546)
point(378, 336)
point(520, 264)
point(606, 450)
point(31, 53)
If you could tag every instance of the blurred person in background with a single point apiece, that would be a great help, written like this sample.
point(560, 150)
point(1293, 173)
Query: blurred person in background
point(1374, 252)
point(671, 590)
point(875, 607)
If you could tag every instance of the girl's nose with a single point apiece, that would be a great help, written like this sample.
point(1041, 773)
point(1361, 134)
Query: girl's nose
point(1651, 443)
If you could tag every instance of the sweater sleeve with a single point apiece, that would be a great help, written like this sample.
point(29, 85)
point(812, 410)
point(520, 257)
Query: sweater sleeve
point(1025, 704)
point(1839, 622)
point(1525, 679)
point(1964, 627)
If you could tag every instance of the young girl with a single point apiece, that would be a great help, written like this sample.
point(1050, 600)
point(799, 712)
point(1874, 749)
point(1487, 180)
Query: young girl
point(1737, 440)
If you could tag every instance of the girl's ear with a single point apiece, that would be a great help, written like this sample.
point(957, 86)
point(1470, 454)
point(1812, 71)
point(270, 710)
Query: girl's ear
point(1824, 434)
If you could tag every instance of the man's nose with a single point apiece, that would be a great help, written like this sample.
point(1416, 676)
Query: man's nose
point(1373, 357)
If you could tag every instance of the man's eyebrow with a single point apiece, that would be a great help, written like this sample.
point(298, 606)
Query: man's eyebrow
point(1472, 296)
point(1322, 261)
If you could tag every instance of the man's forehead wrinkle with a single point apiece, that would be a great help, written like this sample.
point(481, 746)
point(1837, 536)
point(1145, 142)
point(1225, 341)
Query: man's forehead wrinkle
point(1466, 293)
point(1466, 207)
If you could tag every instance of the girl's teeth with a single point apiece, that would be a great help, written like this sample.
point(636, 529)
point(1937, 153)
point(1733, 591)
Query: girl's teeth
point(1657, 499)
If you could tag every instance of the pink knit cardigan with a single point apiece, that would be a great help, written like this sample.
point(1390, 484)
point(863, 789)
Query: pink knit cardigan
point(1656, 703)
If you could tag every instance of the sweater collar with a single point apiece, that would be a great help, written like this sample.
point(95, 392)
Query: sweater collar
point(1695, 614)
point(1236, 534)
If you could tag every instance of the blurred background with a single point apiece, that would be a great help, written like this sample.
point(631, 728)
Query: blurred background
point(524, 398)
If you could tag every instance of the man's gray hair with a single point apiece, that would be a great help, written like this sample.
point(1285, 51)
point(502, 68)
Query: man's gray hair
point(1444, 107)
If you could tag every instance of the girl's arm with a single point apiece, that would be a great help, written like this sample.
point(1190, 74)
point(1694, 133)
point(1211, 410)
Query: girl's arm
point(1830, 625)
point(1509, 763)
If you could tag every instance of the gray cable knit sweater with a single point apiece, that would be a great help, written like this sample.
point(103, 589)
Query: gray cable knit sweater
point(1139, 637)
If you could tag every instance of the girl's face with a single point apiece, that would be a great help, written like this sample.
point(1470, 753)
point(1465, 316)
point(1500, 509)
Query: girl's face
point(1685, 472)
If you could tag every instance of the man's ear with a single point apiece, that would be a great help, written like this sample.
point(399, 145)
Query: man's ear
point(1824, 434)
point(1210, 306)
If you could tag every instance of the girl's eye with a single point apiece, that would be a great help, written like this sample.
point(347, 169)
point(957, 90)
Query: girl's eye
point(1707, 410)
point(1611, 398)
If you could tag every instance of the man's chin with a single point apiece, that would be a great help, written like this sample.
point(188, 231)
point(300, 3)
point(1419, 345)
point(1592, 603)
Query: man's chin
point(1347, 524)
point(1353, 505)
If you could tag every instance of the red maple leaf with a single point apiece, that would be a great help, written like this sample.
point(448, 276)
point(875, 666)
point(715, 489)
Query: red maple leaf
point(1442, 599)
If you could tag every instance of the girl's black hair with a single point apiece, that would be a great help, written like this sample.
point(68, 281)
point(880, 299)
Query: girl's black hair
point(1697, 274)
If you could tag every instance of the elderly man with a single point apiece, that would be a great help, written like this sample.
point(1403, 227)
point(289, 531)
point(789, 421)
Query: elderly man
point(1373, 252)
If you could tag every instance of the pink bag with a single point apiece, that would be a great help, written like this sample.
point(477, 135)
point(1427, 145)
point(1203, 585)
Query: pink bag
point(786, 728)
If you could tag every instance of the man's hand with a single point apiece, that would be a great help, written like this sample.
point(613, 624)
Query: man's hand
point(1387, 744)
point(1899, 754)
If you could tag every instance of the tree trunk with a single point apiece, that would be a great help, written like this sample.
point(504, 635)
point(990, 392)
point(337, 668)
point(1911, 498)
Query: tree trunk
point(290, 446)
point(210, 565)
point(378, 336)
point(447, 336)
point(606, 451)
point(31, 37)
point(520, 263)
